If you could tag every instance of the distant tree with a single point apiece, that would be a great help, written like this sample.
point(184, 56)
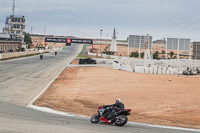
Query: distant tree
point(163, 51)
point(156, 55)
point(142, 55)
point(108, 52)
point(171, 54)
point(134, 54)
point(28, 39)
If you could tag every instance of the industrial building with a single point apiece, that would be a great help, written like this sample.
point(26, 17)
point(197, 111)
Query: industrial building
point(159, 45)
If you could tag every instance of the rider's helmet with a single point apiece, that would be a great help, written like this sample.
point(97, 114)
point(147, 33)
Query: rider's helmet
point(118, 100)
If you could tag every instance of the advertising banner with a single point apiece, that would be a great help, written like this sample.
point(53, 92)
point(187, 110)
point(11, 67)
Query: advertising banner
point(82, 41)
point(60, 40)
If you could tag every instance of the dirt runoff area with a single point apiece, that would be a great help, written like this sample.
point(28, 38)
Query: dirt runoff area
point(156, 99)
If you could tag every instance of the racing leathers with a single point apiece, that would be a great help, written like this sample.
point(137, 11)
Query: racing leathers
point(110, 111)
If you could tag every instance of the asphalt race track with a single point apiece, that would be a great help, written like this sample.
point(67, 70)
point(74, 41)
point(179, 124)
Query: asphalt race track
point(21, 80)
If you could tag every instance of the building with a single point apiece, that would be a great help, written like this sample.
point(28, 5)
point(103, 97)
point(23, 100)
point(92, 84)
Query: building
point(108, 42)
point(4, 36)
point(12, 37)
point(9, 45)
point(15, 26)
point(196, 50)
point(159, 45)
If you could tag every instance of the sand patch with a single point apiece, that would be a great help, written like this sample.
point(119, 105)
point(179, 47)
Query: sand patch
point(156, 99)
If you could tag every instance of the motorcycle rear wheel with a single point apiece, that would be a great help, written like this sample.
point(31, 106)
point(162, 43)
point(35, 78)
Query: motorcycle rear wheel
point(121, 120)
point(95, 118)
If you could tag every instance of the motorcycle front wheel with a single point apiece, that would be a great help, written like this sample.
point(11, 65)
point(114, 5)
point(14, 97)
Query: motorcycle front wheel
point(121, 120)
point(95, 118)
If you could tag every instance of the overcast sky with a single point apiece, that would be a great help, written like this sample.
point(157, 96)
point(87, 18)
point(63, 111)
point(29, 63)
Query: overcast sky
point(85, 18)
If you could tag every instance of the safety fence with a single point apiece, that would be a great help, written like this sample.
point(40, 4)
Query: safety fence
point(168, 66)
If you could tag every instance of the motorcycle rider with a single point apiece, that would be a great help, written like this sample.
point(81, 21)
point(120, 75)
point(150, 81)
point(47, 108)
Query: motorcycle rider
point(41, 56)
point(110, 111)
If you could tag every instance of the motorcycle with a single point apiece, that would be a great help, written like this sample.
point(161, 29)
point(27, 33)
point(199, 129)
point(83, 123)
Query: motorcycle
point(119, 119)
point(41, 56)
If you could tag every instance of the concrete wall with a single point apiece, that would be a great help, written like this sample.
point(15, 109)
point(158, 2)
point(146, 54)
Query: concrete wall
point(6, 46)
point(17, 54)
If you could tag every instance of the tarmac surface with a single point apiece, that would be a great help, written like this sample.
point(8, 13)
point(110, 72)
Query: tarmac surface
point(23, 79)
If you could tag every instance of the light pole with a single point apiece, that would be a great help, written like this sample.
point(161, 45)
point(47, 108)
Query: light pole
point(195, 55)
point(100, 38)
point(44, 35)
point(128, 46)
